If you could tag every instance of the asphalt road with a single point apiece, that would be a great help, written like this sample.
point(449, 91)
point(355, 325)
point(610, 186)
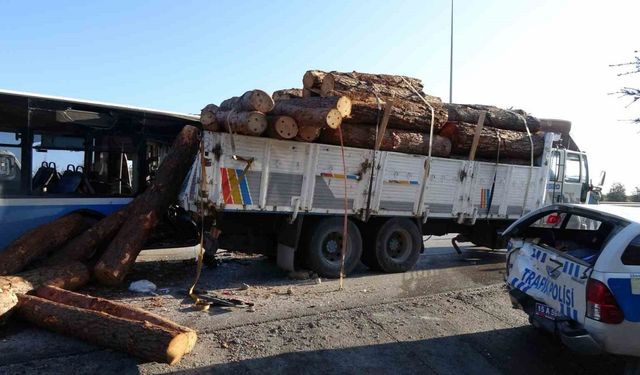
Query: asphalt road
point(450, 315)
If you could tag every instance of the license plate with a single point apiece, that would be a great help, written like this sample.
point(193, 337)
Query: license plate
point(546, 311)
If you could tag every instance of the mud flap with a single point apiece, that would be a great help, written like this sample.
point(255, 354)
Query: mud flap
point(288, 239)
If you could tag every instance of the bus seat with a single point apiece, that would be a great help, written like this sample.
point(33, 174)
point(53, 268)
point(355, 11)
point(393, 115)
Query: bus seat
point(70, 181)
point(46, 177)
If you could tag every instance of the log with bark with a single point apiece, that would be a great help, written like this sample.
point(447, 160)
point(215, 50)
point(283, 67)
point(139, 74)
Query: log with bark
point(282, 127)
point(384, 85)
point(247, 123)
point(285, 94)
point(85, 245)
point(140, 338)
point(42, 240)
point(83, 301)
point(148, 209)
point(339, 102)
point(364, 136)
point(308, 133)
point(312, 81)
point(208, 118)
point(555, 126)
point(306, 115)
point(495, 117)
point(405, 114)
point(513, 144)
point(69, 276)
point(254, 100)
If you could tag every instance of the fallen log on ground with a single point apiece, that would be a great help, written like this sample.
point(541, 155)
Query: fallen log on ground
point(405, 114)
point(247, 123)
point(513, 144)
point(140, 338)
point(254, 100)
point(42, 240)
point(282, 127)
point(69, 276)
point(148, 209)
point(84, 246)
point(325, 115)
point(364, 136)
point(106, 306)
point(495, 117)
point(285, 94)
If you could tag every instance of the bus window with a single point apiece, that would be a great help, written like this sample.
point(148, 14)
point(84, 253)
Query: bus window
point(58, 164)
point(10, 165)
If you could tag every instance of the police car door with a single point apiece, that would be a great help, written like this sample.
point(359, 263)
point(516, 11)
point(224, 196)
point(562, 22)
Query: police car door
point(555, 279)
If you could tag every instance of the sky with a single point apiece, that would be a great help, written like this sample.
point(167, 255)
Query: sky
point(550, 58)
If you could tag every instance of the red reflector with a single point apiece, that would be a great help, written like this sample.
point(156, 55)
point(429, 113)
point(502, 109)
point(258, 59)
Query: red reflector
point(553, 219)
point(601, 305)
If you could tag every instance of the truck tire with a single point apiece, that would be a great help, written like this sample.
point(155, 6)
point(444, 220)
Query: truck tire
point(323, 247)
point(396, 246)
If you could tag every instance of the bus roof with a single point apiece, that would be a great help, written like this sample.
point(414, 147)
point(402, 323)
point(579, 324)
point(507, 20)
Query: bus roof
point(74, 115)
point(177, 115)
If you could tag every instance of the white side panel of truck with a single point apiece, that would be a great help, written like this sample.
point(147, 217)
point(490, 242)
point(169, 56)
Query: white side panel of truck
point(254, 174)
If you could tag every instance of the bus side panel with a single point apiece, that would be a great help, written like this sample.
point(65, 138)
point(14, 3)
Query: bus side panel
point(20, 215)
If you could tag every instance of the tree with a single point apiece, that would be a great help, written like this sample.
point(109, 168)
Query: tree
point(617, 193)
point(635, 196)
point(632, 67)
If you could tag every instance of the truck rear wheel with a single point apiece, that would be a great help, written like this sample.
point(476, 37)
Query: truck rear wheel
point(395, 246)
point(323, 248)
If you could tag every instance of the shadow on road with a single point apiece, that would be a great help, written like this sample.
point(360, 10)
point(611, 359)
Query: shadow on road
point(508, 351)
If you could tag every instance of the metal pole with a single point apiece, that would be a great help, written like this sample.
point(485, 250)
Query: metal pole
point(451, 59)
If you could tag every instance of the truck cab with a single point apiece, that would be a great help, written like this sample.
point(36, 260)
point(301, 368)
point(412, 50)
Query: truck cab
point(569, 180)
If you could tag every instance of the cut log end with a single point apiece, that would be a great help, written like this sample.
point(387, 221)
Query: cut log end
point(308, 134)
point(344, 106)
point(177, 348)
point(334, 118)
point(261, 101)
point(328, 84)
point(283, 127)
point(256, 123)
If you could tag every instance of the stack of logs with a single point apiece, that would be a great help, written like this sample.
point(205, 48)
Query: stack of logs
point(390, 112)
point(64, 251)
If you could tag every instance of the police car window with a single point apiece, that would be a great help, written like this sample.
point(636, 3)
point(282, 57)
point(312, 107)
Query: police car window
point(577, 222)
point(631, 255)
point(553, 220)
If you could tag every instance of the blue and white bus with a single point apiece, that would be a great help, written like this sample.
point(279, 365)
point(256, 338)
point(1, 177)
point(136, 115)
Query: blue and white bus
point(59, 155)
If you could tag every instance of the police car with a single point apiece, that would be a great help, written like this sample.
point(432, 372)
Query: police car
point(575, 270)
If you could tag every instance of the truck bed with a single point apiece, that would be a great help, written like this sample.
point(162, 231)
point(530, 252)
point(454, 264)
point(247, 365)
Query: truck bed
point(254, 174)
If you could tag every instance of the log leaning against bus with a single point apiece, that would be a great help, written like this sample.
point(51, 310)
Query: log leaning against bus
point(132, 330)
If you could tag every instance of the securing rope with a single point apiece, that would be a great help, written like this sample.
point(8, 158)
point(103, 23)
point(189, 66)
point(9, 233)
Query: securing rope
point(197, 301)
point(345, 234)
point(428, 166)
point(495, 175)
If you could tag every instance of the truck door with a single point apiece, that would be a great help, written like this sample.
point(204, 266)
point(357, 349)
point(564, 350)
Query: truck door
point(568, 177)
